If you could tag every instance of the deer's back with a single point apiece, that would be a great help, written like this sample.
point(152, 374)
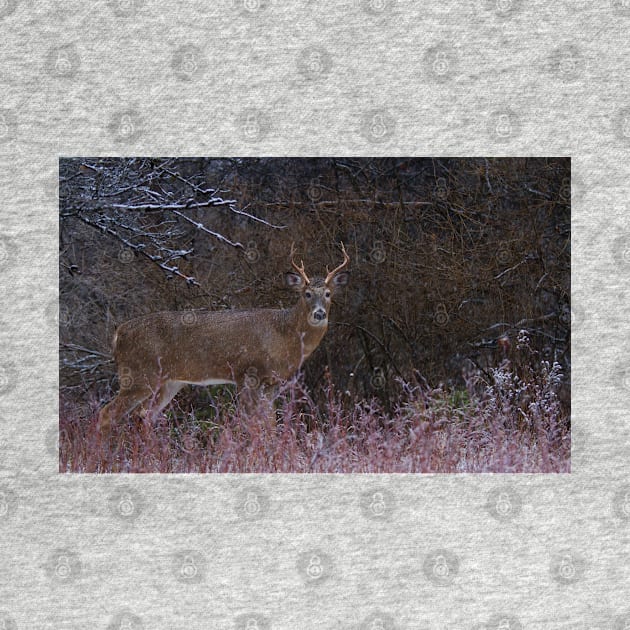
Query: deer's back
point(188, 345)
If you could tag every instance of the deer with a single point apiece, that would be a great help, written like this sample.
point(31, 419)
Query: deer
point(158, 354)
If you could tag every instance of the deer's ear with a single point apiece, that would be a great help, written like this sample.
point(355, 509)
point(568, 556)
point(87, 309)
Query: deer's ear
point(293, 280)
point(341, 279)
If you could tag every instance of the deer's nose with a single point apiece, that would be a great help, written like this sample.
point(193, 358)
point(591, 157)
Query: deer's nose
point(319, 315)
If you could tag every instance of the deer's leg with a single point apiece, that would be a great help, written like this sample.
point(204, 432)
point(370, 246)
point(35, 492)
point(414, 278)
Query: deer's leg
point(247, 400)
point(249, 397)
point(125, 402)
point(165, 394)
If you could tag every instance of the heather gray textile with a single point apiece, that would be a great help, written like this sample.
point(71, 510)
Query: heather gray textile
point(261, 77)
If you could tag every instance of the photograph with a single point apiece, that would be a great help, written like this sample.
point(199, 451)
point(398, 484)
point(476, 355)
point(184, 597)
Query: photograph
point(314, 315)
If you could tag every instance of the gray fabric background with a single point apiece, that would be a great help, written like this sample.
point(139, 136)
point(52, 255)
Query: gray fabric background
point(261, 77)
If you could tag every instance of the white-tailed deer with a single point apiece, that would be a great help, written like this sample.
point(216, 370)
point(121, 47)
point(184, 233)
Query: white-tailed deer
point(160, 353)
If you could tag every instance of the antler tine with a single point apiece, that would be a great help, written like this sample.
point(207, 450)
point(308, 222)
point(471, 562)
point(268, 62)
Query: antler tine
point(336, 270)
point(300, 270)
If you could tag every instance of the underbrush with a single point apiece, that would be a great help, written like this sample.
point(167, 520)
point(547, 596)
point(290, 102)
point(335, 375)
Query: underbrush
point(500, 421)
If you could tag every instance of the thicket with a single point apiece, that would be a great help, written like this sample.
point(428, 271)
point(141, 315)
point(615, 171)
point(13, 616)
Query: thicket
point(451, 258)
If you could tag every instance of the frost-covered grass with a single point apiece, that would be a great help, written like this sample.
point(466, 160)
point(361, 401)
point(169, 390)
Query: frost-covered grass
point(502, 420)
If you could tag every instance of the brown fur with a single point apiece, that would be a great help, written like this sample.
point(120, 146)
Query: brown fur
point(159, 353)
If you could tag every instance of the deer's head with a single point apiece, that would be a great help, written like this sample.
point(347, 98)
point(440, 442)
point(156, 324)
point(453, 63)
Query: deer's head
point(316, 293)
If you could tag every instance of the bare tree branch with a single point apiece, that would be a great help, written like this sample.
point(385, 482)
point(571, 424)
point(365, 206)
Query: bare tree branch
point(142, 202)
point(203, 228)
point(161, 207)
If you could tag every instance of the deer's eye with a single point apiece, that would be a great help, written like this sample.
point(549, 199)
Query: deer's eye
point(327, 294)
point(308, 295)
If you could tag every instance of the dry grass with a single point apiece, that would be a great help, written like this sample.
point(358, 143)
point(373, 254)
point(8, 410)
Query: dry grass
point(512, 425)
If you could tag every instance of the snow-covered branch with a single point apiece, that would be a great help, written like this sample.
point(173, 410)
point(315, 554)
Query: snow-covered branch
point(148, 206)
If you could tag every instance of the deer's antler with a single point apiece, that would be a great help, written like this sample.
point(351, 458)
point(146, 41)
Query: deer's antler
point(300, 270)
point(343, 265)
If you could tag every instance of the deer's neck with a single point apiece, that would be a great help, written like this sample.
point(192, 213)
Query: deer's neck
point(297, 320)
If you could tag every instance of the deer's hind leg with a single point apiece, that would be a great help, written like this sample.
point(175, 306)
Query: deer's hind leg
point(124, 403)
point(153, 406)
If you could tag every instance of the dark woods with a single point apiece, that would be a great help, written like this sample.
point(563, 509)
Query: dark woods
point(451, 259)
